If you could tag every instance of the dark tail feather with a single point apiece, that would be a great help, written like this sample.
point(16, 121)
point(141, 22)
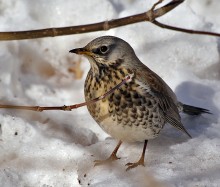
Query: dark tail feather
point(192, 110)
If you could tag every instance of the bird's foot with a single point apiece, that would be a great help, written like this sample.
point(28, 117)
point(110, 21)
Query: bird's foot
point(134, 165)
point(112, 158)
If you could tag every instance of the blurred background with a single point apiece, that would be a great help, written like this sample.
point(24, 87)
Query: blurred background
point(57, 148)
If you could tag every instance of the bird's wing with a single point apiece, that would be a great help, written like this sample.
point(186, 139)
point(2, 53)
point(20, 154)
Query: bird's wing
point(165, 97)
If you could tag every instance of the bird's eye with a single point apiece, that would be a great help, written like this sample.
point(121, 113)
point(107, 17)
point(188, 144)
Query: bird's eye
point(103, 49)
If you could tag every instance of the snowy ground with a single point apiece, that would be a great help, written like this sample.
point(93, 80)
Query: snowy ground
point(58, 148)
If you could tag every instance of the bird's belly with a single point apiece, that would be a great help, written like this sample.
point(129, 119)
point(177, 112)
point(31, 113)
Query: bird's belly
point(127, 114)
point(127, 133)
point(128, 120)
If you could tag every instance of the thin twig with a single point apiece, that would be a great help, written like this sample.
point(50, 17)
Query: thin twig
point(189, 31)
point(157, 3)
point(127, 79)
point(101, 26)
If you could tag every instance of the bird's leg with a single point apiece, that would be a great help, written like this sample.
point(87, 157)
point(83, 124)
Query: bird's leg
point(112, 157)
point(140, 161)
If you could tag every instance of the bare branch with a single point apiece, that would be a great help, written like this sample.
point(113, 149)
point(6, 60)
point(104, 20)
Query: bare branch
point(189, 31)
point(127, 79)
point(101, 26)
point(157, 3)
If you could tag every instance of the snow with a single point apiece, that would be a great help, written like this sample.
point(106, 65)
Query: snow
point(57, 148)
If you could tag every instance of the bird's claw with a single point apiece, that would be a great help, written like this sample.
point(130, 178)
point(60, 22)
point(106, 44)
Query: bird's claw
point(134, 165)
point(107, 161)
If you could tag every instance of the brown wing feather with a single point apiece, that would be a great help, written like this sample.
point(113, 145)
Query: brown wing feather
point(166, 98)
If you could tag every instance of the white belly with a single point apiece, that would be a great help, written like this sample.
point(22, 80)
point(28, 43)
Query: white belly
point(127, 133)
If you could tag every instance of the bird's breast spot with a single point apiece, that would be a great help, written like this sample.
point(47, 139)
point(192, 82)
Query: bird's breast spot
point(103, 111)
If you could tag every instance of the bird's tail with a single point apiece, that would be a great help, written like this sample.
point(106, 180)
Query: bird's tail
point(192, 110)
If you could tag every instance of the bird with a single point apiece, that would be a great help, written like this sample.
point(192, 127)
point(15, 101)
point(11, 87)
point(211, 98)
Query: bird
point(138, 110)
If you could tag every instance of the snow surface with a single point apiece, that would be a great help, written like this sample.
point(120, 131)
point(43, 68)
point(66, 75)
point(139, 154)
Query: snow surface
point(56, 148)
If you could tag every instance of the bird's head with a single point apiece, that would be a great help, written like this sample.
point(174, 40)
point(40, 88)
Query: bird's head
point(106, 52)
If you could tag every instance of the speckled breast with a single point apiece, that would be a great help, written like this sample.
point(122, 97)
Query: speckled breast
point(127, 114)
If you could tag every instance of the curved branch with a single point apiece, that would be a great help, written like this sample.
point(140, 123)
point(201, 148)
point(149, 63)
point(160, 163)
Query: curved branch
point(189, 31)
point(101, 26)
point(127, 79)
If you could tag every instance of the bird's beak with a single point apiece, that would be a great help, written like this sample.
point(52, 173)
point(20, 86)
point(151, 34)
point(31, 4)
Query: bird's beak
point(81, 51)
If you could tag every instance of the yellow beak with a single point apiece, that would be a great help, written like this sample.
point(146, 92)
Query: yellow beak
point(81, 51)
